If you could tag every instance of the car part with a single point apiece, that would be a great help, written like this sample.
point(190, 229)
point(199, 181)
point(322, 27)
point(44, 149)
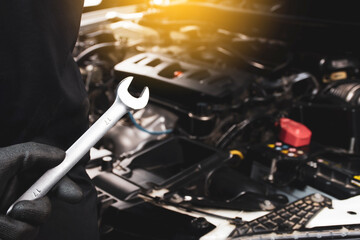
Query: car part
point(292, 217)
point(271, 56)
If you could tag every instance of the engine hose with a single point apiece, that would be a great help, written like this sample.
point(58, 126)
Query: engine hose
point(108, 46)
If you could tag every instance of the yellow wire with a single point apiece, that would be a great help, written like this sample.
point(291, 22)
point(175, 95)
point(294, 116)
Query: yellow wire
point(237, 153)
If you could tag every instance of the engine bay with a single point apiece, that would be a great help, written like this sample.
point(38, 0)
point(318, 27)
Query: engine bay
point(249, 134)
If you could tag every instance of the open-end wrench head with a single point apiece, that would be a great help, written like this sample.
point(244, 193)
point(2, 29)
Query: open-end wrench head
point(127, 99)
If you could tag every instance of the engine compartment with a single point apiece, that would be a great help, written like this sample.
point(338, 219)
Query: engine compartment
point(223, 148)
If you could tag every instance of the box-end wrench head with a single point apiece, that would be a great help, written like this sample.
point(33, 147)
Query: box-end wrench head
point(123, 103)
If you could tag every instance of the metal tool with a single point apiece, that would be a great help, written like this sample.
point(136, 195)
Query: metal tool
point(123, 103)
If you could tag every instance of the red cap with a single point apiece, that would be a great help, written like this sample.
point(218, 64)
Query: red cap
point(294, 133)
point(178, 73)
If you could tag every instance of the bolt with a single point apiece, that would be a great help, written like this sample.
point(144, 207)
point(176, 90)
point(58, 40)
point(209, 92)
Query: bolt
point(267, 205)
point(317, 197)
point(200, 223)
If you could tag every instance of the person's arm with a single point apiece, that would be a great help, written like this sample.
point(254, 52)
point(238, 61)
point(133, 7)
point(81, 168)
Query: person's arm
point(41, 90)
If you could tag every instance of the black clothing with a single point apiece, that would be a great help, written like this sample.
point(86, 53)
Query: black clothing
point(22, 164)
point(42, 97)
point(41, 92)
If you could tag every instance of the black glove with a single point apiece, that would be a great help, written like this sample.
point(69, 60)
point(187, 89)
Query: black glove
point(20, 166)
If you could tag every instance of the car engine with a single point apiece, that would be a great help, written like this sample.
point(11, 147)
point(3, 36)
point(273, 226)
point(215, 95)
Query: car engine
point(251, 131)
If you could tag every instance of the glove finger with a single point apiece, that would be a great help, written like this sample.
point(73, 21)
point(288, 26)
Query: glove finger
point(34, 212)
point(68, 191)
point(11, 229)
point(10, 194)
point(40, 156)
point(27, 155)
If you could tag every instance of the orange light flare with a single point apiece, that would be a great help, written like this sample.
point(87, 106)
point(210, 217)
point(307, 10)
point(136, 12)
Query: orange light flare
point(178, 74)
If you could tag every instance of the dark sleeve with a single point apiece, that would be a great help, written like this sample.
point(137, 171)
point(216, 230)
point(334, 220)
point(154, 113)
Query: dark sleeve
point(42, 97)
point(41, 92)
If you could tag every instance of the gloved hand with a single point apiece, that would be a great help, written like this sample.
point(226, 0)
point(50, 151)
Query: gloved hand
point(20, 166)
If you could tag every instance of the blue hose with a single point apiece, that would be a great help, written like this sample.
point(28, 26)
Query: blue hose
point(145, 130)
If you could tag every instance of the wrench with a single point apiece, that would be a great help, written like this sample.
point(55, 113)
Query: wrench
point(124, 102)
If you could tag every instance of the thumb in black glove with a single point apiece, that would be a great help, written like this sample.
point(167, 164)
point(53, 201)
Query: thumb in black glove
point(20, 166)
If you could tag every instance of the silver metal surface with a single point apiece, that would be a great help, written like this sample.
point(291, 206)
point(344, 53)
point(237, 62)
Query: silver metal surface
point(123, 103)
point(153, 118)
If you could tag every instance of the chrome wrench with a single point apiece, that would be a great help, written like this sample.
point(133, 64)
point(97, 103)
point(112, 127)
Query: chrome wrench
point(124, 102)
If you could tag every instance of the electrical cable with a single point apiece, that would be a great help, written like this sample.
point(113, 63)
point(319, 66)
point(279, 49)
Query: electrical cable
point(237, 153)
point(231, 133)
point(138, 126)
point(189, 209)
point(108, 46)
